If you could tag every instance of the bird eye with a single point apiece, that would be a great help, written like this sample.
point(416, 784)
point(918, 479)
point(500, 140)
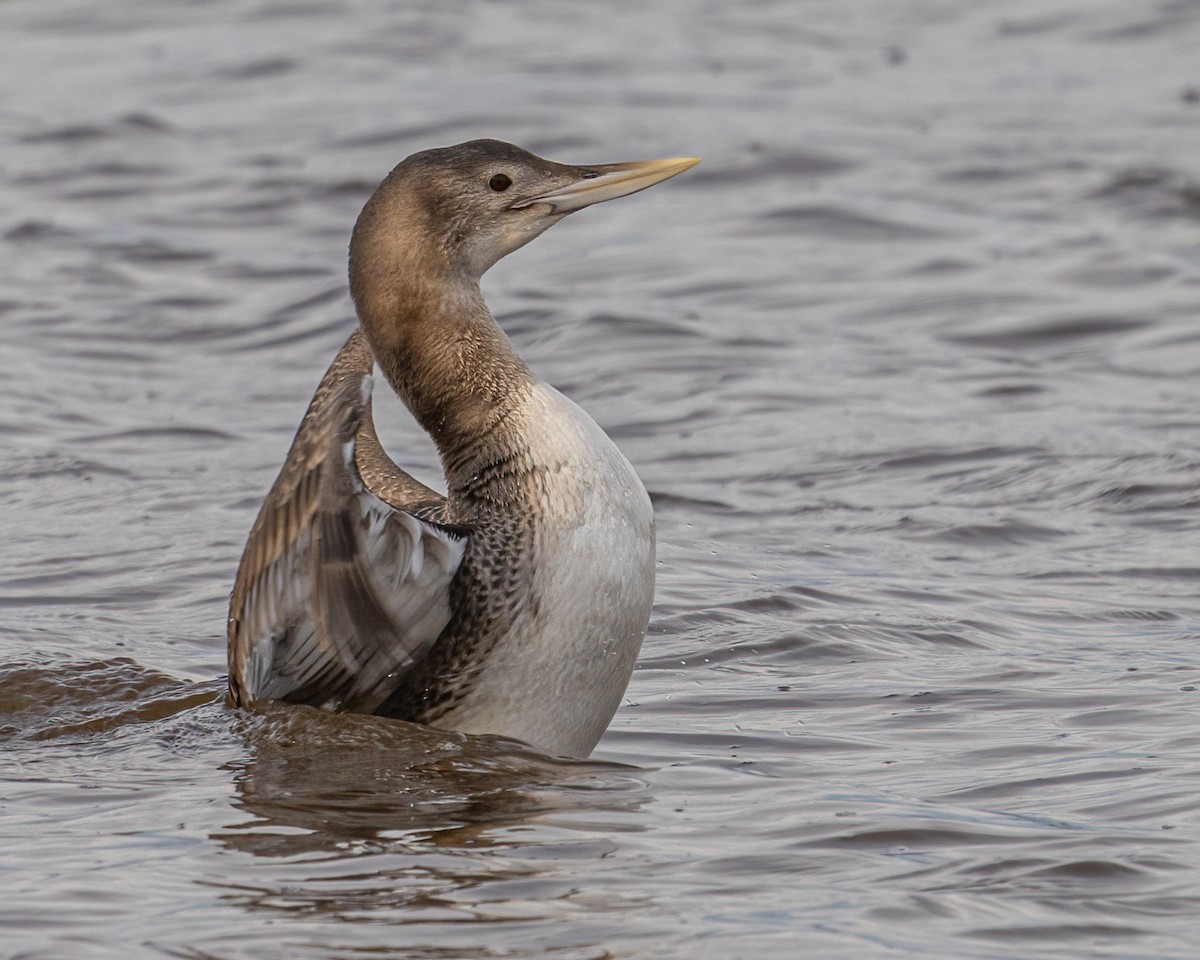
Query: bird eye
point(500, 182)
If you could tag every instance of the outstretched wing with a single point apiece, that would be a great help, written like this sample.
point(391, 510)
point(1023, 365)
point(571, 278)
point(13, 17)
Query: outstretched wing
point(339, 591)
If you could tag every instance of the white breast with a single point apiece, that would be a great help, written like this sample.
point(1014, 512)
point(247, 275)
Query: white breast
point(557, 678)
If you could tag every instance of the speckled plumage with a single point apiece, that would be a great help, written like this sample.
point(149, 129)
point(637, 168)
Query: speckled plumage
point(516, 603)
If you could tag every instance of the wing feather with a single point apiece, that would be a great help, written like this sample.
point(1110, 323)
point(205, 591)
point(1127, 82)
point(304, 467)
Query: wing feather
point(340, 590)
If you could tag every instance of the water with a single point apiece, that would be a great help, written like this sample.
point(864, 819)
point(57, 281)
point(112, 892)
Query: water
point(909, 365)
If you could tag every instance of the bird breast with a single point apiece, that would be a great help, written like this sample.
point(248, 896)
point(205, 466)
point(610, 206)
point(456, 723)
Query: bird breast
point(561, 671)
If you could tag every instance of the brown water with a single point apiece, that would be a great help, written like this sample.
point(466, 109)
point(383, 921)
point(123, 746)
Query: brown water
point(909, 366)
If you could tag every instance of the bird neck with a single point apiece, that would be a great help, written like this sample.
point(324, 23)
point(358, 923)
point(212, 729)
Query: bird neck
point(442, 351)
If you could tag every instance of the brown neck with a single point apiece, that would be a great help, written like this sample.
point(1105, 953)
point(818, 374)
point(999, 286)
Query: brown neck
point(444, 354)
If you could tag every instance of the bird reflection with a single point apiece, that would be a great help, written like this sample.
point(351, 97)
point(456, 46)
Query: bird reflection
point(375, 820)
point(314, 781)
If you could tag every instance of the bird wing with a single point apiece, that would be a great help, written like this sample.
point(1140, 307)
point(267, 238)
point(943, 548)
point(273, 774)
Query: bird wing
point(341, 588)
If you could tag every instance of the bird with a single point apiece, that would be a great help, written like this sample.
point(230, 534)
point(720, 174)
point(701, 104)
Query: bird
point(516, 603)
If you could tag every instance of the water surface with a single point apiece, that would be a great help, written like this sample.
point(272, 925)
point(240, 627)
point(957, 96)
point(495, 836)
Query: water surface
point(909, 366)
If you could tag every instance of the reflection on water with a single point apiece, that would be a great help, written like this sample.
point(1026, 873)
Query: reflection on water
point(380, 818)
point(908, 365)
point(48, 701)
point(344, 778)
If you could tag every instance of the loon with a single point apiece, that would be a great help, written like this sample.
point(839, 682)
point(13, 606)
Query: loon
point(513, 605)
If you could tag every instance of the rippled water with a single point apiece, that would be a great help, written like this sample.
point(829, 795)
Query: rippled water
point(909, 366)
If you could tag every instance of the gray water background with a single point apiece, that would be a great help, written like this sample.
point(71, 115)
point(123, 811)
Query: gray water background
point(909, 366)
